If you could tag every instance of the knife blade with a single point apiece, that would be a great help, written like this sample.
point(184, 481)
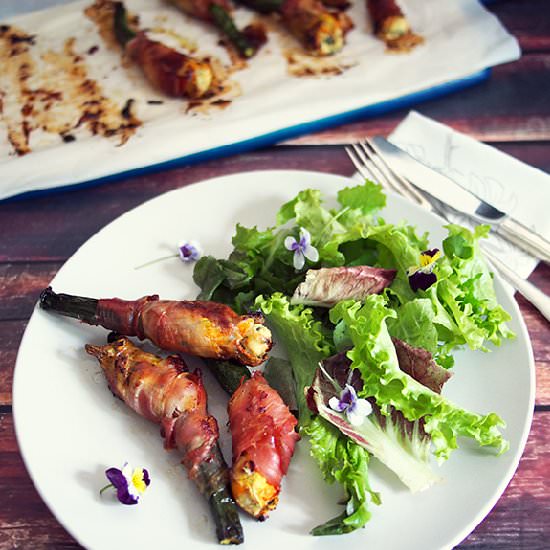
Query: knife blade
point(452, 194)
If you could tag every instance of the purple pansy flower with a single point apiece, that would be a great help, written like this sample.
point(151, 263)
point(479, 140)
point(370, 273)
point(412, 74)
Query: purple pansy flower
point(189, 251)
point(129, 483)
point(302, 249)
point(356, 409)
point(422, 276)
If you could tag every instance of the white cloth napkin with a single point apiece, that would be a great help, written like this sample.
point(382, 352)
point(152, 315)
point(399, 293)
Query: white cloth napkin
point(503, 181)
point(461, 39)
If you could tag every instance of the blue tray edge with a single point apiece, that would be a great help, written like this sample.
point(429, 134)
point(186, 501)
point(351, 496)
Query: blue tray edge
point(271, 138)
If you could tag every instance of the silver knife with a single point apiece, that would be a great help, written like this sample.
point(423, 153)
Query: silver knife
point(454, 195)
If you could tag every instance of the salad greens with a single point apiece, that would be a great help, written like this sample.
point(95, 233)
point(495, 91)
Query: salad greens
point(307, 343)
point(458, 309)
point(375, 357)
point(403, 446)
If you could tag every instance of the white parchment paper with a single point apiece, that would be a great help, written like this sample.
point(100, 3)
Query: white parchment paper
point(461, 39)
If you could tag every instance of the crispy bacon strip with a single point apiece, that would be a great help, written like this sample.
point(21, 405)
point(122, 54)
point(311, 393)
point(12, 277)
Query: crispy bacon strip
point(264, 437)
point(218, 12)
point(391, 25)
point(320, 31)
point(163, 391)
point(172, 72)
point(205, 329)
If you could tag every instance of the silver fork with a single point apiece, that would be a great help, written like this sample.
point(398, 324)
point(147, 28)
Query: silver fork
point(371, 165)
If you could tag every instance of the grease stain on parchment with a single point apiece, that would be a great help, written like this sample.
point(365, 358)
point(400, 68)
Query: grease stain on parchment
point(52, 93)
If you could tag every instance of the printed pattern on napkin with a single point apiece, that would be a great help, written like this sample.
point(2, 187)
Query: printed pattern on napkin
point(508, 184)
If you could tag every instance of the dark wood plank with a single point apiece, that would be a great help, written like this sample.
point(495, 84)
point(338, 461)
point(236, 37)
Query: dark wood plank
point(20, 285)
point(52, 227)
point(10, 338)
point(526, 21)
point(512, 105)
point(519, 520)
point(25, 521)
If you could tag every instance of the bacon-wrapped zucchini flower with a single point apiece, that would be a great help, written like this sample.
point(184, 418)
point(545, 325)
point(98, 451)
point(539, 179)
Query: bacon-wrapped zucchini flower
point(264, 436)
point(320, 31)
point(391, 25)
point(205, 329)
point(218, 12)
point(163, 391)
point(174, 73)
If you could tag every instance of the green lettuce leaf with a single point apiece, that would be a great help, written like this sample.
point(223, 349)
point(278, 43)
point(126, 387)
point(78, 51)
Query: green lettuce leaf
point(260, 263)
point(340, 459)
point(367, 198)
point(414, 323)
point(375, 357)
point(468, 290)
point(403, 446)
point(303, 337)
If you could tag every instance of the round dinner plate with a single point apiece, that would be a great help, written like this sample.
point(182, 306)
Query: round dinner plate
point(70, 428)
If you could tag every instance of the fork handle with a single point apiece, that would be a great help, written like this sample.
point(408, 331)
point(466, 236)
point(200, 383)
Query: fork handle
point(524, 238)
point(540, 300)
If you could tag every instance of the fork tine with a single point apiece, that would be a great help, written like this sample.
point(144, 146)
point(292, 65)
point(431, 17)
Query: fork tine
point(356, 162)
point(366, 155)
point(367, 166)
point(404, 185)
point(368, 169)
point(358, 159)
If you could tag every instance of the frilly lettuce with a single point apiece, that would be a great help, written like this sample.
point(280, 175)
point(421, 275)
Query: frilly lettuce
point(465, 290)
point(340, 459)
point(459, 309)
point(403, 446)
point(462, 307)
point(303, 337)
point(375, 357)
point(260, 263)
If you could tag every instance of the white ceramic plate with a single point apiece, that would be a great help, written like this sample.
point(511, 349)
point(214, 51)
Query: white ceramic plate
point(70, 428)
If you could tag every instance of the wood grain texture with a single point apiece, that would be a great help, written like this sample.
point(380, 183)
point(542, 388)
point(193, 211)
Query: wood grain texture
point(20, 285)
point(72, 217)
point(526, 21)
point(489, 111)
point(511, 110)
point(522, 513)
point(10, 338)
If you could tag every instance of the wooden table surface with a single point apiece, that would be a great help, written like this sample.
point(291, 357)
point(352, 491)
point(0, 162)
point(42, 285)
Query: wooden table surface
point(510, 111)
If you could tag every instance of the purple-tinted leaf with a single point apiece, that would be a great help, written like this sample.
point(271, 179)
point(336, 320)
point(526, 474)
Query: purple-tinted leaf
point(402, 445)
point(327, 286)
point(419, 364)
